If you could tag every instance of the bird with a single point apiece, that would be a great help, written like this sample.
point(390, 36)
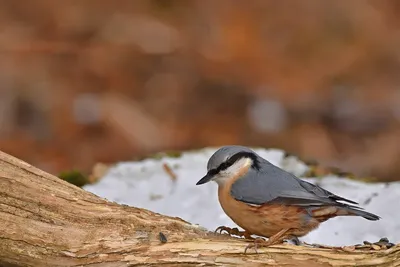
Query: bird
point(270, 202)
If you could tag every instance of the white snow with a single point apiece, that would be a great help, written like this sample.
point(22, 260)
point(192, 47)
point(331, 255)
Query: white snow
point(146, 184)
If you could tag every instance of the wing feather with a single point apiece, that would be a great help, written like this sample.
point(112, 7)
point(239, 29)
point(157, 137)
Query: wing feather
point(273, 185)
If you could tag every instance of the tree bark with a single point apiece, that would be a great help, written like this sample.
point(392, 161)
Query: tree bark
point(45, 221)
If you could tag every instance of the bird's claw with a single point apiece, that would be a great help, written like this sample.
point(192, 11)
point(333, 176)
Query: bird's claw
point(272, 240)
point(259, 242)
point(233, 231)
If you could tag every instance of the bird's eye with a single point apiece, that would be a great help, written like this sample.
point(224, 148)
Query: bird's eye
point(225, 165)
point(212, 172)
point(230, 161)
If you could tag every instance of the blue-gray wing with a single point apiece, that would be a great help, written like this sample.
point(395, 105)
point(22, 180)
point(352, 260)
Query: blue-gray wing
point(273, 185)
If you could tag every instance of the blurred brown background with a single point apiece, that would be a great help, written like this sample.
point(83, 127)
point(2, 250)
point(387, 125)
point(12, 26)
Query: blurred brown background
point(101, 80)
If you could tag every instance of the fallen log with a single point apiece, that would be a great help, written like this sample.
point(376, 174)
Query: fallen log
point(45, 221)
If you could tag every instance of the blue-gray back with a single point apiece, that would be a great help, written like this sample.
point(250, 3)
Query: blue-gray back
point(270, 184)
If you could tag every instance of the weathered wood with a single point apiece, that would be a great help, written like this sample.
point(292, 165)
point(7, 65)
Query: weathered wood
point(45, 221)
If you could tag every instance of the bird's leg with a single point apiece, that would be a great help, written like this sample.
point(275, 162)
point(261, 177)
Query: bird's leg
point(234, 231)
point(275, 239)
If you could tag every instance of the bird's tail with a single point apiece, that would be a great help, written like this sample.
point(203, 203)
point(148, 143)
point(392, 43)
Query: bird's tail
point(355, 211)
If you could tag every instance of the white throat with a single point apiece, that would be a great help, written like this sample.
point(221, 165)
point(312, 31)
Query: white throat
point(222, 177)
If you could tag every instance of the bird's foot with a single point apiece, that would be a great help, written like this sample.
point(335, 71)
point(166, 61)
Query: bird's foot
point(257, 243)
point(273, 240)
point(234, 231)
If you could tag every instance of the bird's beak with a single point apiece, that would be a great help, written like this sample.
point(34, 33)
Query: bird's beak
point(205, 179)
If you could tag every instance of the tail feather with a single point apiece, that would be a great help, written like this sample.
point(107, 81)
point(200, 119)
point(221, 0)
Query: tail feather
point(324, 213)
point(351, 211)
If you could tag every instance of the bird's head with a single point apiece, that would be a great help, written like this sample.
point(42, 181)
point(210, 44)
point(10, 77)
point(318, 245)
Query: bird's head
point(227, 162)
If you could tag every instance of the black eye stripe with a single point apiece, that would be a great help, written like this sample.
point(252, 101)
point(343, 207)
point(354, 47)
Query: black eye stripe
point(212, 172)
point(230, 161)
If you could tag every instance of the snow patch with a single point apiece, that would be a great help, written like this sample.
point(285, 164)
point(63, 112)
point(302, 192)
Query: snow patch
point(146, 184)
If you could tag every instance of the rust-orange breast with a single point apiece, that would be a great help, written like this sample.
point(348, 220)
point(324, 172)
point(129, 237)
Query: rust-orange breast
point(265, 220)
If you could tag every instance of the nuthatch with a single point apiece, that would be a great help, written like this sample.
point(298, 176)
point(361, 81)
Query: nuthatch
point(269, 202)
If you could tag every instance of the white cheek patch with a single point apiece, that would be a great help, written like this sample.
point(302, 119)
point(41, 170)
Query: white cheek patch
point(233, 170)
point(238, 166)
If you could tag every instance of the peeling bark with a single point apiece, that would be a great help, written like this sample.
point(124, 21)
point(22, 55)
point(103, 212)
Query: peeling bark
point(45, 221)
